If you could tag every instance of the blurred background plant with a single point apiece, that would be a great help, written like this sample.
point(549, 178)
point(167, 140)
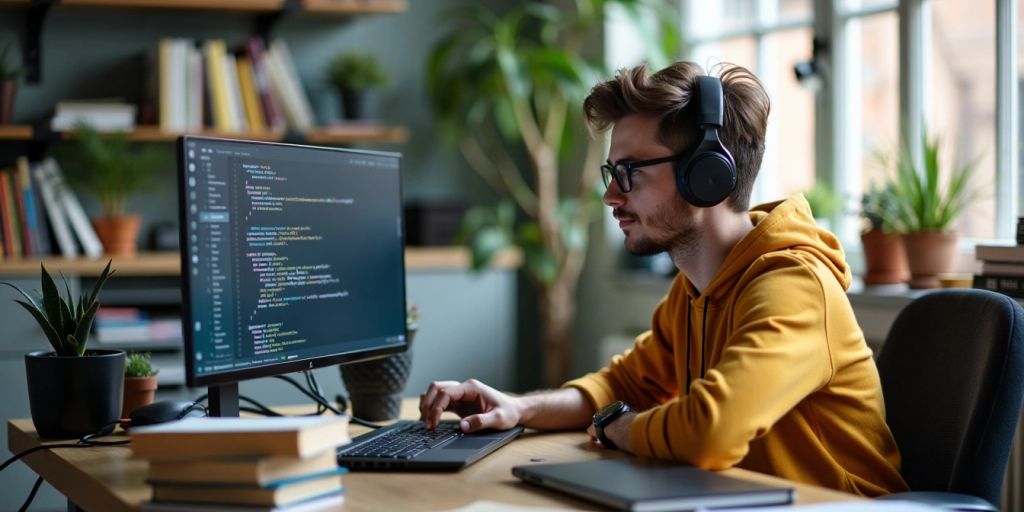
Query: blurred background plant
point(507, 88)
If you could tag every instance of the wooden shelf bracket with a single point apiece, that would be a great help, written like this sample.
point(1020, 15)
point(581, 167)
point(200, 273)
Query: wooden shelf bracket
point(33, 47)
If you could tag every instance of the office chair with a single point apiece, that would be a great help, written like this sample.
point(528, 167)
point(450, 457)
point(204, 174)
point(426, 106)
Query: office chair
point(952, 371)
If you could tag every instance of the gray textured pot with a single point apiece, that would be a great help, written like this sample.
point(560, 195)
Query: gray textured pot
point(375, 387)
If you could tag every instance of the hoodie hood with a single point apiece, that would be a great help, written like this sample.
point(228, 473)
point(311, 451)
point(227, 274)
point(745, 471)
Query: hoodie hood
point(786, 225)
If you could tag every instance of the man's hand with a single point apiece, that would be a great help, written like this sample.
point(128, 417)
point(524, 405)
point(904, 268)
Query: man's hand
point(617, 431)
point(479, 405)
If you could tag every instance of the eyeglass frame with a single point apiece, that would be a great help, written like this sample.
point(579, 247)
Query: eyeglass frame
point(608, 170)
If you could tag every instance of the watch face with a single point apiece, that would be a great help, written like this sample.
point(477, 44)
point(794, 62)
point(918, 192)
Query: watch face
point(608, 411)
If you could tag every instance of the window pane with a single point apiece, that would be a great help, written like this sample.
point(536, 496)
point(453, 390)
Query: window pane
point(875, 68)
point(742, 51)
point(789, 10)
point(788, 165)
point(853, 5)
point(961, 110)
point(706, 19)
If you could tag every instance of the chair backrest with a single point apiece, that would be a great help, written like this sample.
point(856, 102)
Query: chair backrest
point(952, 371)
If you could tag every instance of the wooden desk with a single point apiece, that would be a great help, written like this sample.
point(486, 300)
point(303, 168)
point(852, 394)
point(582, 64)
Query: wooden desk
point(108, 479)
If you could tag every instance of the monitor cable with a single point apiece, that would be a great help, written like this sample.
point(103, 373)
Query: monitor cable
point(85, 441)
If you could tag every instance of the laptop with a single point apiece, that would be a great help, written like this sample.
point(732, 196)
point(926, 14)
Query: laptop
point(406, 445)
point(649, 485)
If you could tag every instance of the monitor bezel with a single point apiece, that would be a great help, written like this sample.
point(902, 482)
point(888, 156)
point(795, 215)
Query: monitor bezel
point(193, 380)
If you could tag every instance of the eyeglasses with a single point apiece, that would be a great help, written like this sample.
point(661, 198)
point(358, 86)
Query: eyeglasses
point(623, 171)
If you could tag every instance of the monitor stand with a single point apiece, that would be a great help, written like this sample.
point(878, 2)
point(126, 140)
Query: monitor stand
point(223, 400)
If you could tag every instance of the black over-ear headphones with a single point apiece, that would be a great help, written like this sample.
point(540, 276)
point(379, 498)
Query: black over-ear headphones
point(707, 174)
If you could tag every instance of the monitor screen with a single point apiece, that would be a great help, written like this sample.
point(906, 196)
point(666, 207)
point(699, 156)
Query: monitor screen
point(292, 257)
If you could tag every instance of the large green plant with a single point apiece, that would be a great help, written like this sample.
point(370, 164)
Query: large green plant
point(507, 88)
point(66, 323)
point(921, 202)
point(111, 168)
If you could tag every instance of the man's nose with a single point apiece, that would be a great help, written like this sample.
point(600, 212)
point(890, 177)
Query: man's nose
point(613, 195)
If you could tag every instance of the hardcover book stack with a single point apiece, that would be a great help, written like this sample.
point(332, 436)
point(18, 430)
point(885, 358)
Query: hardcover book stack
point(1002, 266)
point(246, 464)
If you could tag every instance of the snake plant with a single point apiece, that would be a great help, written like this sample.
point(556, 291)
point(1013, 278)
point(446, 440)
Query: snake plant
point(65, 322)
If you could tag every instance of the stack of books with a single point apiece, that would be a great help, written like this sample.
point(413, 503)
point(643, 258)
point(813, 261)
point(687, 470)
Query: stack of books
point(1002, 269)
point(247, 464)
point(102, 115)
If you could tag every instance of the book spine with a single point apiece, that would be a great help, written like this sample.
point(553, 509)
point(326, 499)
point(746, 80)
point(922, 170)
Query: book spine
point(5, 219)
point(13, 226)
point(91, 245)
point(268, 97)
point(46, 245)
point(165, 87)
point(1007, 285)
point(220, 104)
point(35, 234)
point(18, 190)
point(235, 93)
point(250, 98)
point(55, 214)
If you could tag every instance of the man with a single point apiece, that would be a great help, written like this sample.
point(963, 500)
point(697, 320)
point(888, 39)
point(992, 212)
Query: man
point(754, 358)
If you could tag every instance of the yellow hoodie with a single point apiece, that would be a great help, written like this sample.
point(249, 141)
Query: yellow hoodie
point(780, 378)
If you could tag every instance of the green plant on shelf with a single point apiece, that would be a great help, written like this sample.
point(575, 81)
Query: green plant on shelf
point(138, 364)
point(356, 71)
point(66, 323)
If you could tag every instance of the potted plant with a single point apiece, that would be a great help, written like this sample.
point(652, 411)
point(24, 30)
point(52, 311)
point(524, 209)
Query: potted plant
point(9, 74)
point(110, 169)
point(139, 382)
point(925, 209)
point(885, 260)
point(375, 387)
point(824, 203)
point(354, 74)
point(72, 391)
point(507, 88)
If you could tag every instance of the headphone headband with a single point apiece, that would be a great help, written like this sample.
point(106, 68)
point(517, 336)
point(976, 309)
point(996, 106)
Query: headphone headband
point(711, 103)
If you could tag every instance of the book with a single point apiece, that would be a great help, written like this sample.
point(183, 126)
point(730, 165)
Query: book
point(7, 220)
point(1005, 284)
point(68, 202)
point(11, 194)
point(55, 215)
point(643, 484)
point(329, 502)
point(285, 493)
point(214, 52)
point(301, 437)
point(30, 215)
point(17, 190)
point(268, 97)
point(1005, 253)
point(1002, 268)
point(285, 80)
point(235, 93)
point(250, 98)
point(102, 115)
point(240, 470)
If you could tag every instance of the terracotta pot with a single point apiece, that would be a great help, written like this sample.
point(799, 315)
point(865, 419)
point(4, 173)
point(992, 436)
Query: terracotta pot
point(138, 391)
point(8, 89)
point(118, 234)
point(884, 257)
point(928, 255)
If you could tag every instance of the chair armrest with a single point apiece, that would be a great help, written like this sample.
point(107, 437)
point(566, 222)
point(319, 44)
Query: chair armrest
point(944, 500)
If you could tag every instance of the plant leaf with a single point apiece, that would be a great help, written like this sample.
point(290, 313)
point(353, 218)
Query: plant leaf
point(84, 325)
point(101, 281)
point(51, 300)
point(32, 300)
point(51, 334)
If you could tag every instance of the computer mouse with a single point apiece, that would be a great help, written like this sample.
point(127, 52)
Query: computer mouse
point(164, 411)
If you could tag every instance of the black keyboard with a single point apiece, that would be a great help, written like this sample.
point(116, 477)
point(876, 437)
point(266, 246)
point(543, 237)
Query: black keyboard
point(405, 442)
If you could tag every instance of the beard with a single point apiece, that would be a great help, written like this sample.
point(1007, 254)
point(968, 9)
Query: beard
point(673, 229)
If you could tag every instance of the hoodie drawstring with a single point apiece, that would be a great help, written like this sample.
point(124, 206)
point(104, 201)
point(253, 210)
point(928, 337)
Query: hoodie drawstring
point(703, 343)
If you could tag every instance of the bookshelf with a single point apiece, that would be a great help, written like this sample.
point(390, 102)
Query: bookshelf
point(340, 133)
point(169, 263)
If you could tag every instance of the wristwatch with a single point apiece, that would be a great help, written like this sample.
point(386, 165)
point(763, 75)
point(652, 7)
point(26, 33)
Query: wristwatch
point(605, 417)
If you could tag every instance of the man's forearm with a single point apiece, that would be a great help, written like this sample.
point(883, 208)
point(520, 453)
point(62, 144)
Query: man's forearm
point(556, 409)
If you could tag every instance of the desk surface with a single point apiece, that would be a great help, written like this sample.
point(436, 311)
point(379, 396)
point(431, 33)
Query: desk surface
point(108, 479)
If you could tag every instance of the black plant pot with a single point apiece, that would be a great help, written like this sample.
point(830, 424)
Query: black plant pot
point(73, 396)
point(353, 104)
point(375, 387)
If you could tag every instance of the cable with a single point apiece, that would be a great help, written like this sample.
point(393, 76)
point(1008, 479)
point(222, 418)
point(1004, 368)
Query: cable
point(31, 495)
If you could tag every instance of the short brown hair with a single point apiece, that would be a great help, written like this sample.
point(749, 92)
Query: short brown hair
point(666, 95)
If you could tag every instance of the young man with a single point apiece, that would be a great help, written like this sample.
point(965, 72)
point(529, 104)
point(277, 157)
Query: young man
point(754, 358)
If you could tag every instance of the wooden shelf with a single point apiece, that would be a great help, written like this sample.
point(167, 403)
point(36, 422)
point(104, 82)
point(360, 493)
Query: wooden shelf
point(15, 131)
point(169, 263)
point(345, 7)
point(334, 134)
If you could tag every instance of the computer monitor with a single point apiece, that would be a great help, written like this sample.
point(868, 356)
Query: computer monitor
point(292, 259)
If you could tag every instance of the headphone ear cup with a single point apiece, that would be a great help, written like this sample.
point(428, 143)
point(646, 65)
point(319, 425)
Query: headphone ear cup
point(707, 177)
